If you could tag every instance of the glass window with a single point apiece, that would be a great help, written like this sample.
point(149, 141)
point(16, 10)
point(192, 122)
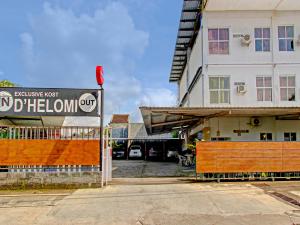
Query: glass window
point(290, 136)
point(266, 136)
point(262, 39)
point(219, 88)
point(286, 38)
point(264, 88)
point(218, 41)
point(287, 88)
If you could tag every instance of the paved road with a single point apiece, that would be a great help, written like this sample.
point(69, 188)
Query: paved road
point(167, 203)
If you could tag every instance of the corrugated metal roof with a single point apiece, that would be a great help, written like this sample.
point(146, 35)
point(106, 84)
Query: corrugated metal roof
point(187, 32)
point(48, 121)
point(138, 132)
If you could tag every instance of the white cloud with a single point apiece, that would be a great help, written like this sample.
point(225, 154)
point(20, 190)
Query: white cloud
point(158, 97)
point(161, 97)
point(62, 49)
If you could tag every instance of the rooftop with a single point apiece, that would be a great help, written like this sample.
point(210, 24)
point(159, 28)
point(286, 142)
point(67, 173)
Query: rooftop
point(120, 118)
point(187, 32)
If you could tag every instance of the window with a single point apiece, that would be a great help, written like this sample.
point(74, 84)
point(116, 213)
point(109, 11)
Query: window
point(218, 41)
point(287, 88)
point(219, 89)
point(266, 136)
point(290, 136)
point(264, 88)
point(286, 38)
point(262, 39)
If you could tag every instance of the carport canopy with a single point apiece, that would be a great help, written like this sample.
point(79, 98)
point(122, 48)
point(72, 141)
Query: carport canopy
point(33, 121)
point(166, 119)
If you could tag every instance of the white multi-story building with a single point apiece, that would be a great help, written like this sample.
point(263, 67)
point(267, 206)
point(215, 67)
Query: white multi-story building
point(237, 66)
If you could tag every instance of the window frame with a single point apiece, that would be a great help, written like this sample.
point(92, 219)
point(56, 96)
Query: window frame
point(286, 38)
point(265, 133)
point(290, 136)
point(218, 41)
point(287, 87)
point(264, 88)
point(262, 38)
point(219, 90)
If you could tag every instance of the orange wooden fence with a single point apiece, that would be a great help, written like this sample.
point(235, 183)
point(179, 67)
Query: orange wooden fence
point(236, 157)
point(49, 152)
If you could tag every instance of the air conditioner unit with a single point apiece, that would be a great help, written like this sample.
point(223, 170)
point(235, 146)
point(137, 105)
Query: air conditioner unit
point(241, 89)
point(255, 122)
point(246, 40)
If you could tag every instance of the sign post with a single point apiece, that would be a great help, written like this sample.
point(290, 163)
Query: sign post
point(100, 81)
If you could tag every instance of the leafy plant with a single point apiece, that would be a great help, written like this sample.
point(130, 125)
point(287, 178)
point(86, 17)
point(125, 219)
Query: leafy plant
point(175, 134)
point(7, 83)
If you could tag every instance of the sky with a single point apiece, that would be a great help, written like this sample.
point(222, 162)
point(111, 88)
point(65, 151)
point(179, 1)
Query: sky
point(58, 43)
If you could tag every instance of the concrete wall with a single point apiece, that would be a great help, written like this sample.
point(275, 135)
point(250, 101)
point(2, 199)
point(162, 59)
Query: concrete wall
point(268, 125)
point(190, 71)
point(183, 85)
point(244, 64)
point(196, 95)
point(60, 179)
point(244, 23)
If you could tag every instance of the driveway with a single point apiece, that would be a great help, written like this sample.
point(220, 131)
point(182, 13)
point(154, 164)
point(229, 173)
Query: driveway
point(169, 203)
point(141, 168)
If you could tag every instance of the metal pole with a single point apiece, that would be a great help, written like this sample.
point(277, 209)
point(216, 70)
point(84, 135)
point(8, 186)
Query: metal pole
point(101, 154)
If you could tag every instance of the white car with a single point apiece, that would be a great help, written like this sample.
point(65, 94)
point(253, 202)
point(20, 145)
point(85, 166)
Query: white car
point(135, 151)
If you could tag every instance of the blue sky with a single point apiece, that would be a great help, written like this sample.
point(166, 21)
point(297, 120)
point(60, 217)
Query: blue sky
point(58, 43)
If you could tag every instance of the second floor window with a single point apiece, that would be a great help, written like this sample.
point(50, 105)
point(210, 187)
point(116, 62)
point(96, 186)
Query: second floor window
point(219, 88)
point(287, 88)
point(264, 88)
point(218, 41)
point(262, 39)
point(286, 38)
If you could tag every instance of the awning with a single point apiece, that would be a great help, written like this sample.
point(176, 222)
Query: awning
point(165, 119)
point(32, 121)
point(189, 25)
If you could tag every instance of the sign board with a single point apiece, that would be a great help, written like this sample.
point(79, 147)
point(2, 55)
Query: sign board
point(48, 102)
point(240, 132)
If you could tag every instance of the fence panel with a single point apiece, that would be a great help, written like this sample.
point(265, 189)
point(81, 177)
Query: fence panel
point(49, 149)
point(247, 157)
point(49, 152)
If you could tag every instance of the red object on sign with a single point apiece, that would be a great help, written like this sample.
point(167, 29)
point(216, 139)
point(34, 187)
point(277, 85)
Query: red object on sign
point(99, 75)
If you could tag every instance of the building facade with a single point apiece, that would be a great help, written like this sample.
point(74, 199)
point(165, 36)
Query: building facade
point(243, 55)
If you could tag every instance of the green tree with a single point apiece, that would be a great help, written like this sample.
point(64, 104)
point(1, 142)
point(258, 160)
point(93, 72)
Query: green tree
point(7, 83)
